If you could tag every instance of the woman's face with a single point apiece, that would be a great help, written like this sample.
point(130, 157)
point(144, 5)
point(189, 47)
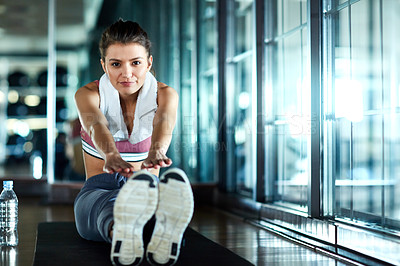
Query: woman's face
point(126, 66)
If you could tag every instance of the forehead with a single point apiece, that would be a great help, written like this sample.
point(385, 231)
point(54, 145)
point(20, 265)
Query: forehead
point(123, 51)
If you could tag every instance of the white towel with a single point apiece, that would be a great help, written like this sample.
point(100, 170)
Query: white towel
point(146, 107)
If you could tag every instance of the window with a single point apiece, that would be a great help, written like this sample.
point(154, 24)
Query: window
point(207, 91)
point(288, 97)
point(362, 111)
point(189, 64)
point(240, 93)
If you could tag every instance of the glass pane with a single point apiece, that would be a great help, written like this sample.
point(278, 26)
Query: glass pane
point(293, 167)
point(188, 94)
point(208, 94)
point(288, 139)
point(188, 134)
point(360, 149)
point(303, 6)
point(243, 26)
point(365, 52)
point(293, 108)
point(291, 14)
point(166, 55)
point(391, 84)
point(240, 95)
point(243, 126)
point(367, 164)
point(342, 158)
point(391, 165)
point(358, 175)
point(342, 44)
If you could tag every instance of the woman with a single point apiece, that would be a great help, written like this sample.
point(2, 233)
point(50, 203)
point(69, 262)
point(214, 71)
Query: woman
point(127, 121)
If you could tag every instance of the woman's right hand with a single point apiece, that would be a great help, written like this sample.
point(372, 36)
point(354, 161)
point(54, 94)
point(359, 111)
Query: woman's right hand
point(113, 163)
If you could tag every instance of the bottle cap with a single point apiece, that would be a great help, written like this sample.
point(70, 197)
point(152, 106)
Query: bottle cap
point(8, 184)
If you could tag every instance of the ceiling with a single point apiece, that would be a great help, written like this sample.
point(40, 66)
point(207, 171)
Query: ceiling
point(24, 24)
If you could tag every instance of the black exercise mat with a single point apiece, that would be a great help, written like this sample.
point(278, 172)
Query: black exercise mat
point(58, 243)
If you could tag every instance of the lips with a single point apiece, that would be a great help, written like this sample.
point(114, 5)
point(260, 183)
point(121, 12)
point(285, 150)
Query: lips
point(127, 83)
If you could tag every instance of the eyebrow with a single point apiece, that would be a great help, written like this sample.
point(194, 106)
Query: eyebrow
point(115, 59)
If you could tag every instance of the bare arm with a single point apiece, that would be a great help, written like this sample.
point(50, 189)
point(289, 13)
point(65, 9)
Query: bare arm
point(93, 121)
point(163, 126)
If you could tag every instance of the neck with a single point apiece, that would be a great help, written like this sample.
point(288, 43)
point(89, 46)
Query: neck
point(128, 101)
point(129, 98)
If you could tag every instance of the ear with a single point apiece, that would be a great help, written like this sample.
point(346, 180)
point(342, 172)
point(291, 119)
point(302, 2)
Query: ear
point(103, 65)
point(150, 62)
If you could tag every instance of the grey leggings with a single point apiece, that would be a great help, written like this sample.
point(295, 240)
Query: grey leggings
point(94, 205)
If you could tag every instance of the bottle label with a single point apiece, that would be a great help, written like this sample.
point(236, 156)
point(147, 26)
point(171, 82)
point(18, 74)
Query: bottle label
point(8, 213)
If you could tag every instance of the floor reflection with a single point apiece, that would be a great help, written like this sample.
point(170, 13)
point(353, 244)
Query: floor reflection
point(252, 243)
point(8, 256)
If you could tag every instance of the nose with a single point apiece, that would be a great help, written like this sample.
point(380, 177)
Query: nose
point(127, 72)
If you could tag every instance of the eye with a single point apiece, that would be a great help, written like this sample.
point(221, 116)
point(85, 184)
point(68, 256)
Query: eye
point(136, 63)
point(115, 64)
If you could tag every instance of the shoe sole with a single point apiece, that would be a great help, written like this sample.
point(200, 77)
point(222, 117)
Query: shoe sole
point(134, 206)
point(174, 212)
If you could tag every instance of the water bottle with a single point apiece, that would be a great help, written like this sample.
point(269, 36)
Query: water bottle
point(8, 215)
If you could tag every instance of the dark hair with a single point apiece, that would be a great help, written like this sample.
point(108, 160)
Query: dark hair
point(123, 32)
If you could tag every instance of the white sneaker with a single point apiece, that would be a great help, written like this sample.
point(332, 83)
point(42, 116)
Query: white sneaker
point(134, 206)
point(174, 212)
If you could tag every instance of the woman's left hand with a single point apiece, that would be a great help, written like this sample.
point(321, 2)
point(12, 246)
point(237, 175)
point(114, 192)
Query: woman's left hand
point(156, 160)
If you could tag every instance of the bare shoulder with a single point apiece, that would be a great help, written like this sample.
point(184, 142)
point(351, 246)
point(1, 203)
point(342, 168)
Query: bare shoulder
point(166, 92)
point(164, 88)
point(167, 100)
point(89, 88)
point(87, 97)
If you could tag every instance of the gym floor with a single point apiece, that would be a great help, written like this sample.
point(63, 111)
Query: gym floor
point(252, 243)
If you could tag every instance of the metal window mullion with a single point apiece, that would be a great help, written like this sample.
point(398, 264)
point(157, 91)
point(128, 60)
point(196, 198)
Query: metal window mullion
point(270, 69)
point(260, 136)
point(315, 44)
point(198, 19)
point(175, 7)
point(383, 219)
point(351, 126)
point(287, 34)
point(339, 7)
point(194, 86)
point(239, 57)
point(281, 163)
point(222, 111)
point(328, 177)
point(172, 35)
point(231, 170)
point(51, 91)
point(303, 70)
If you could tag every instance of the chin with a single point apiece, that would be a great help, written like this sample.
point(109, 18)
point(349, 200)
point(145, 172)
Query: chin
point(128, 90)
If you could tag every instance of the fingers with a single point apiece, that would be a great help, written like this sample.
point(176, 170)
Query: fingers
point(146, 165)
point(115, 164)
point(156, 164)
point(168, 161)
point(126, 170)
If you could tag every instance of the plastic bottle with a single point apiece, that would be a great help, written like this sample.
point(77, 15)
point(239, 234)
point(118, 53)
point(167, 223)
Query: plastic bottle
point(8, 215)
